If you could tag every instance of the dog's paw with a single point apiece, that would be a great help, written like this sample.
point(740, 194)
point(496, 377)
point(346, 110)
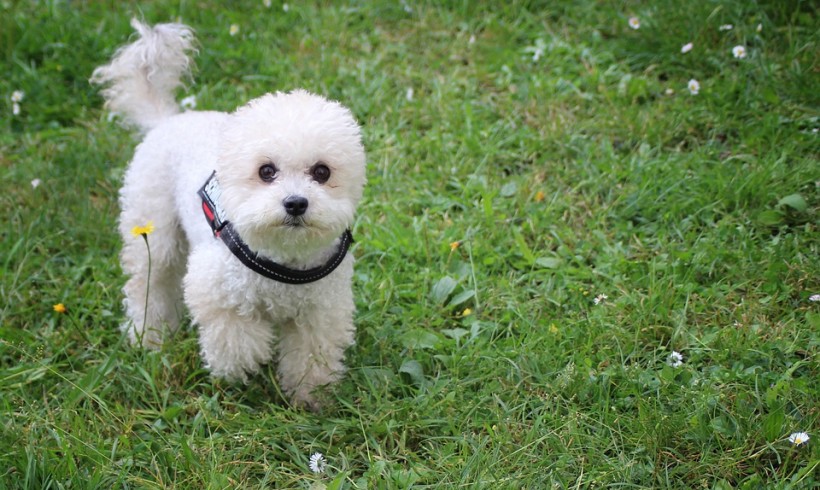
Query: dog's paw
point(314, 400)
point(149, 338)
point(228, 374)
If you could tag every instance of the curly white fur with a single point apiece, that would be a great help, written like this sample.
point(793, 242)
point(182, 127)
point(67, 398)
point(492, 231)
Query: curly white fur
point(143, 75)
point(244, 320)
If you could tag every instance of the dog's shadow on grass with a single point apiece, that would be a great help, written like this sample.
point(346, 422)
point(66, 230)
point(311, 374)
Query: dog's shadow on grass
point(177, 367)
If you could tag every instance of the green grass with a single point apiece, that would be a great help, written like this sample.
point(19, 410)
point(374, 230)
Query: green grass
point(561, 179)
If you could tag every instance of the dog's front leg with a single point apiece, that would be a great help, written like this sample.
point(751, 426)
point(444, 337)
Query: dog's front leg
point(234, 339)
point(233, 346)
point(311, 354)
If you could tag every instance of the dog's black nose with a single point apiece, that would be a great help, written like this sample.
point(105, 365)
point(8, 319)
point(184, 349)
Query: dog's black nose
point(295, 205)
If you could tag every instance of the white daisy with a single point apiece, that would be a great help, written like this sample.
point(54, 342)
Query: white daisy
point(17, 96)
point(234, 30)
point(285, 7)
point(537, 49)
point(799, 438)
point(634, 23)
point(686, 47)
point(814, 298)
point(188, 103)
point(669, 91)
point(693, 86)
point(600, 299)
point(726, 27)
point(739, 52)
point(266, 3)
point(36, 183)
point(15, 109)
point(317, 463)
point(675, 359)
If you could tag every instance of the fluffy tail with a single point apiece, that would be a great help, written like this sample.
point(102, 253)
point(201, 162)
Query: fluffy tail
point(142, 77)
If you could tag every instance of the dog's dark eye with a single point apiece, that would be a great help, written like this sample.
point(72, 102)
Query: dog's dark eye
point(320, 173)
point(267, 172)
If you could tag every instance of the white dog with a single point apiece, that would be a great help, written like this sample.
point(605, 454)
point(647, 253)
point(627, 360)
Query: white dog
point(251, 212)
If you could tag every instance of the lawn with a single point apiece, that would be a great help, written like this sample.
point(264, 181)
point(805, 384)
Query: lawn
point(587, 257)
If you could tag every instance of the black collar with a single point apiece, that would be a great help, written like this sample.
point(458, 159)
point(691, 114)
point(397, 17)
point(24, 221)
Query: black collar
point(223, 229)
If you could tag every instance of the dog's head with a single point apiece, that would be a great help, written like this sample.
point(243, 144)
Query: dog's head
point(292, 171)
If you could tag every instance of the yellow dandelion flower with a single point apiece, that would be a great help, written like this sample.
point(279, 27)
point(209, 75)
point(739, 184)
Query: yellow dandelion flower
point(539, 196)
point(467, 312)
point(60, 308)
point(454, 246)
point(143, 230)
point(553, 329)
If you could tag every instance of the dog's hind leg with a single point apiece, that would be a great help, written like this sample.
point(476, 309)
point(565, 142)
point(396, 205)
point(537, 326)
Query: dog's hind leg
point(154, 307)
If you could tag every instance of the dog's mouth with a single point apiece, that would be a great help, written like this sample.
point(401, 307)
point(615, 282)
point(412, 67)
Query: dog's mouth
point(294, 222)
